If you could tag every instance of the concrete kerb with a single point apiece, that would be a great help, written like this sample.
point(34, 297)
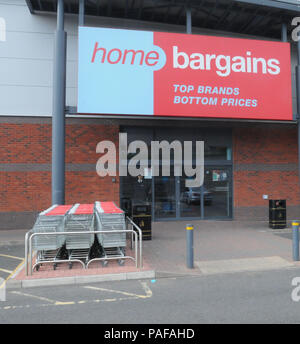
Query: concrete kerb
point(77, 280)
point(139, 275)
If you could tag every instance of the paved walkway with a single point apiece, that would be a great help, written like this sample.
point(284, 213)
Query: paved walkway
point(12, 236)
point(215, 241)
point(219, 246)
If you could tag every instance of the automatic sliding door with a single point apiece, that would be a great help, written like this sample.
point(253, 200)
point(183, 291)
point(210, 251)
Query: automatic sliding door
point(164, 197)
point(217, 193)
point(190, 200)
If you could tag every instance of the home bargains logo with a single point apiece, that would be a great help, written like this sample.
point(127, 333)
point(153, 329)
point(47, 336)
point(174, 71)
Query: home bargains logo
point(163, 74)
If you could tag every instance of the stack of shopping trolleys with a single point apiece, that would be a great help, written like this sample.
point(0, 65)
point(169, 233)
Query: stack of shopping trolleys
point(80, 219)
point(77, 243)
point(111, 218)
point(50, 248)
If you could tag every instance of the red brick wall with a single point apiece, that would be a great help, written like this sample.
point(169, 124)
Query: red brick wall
point(82, 139)
point(265, 162)
point(265, 145)
point(25, 143)
point(24, 190)
point(249, 187)
point(87, 186)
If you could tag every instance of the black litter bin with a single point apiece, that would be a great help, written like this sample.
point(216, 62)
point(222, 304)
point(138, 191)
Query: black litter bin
point(277, 213)
point(141, 216)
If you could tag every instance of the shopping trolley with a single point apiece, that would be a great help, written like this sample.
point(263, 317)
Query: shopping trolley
point(110, 217)
point(80, 219)
point(50, 248)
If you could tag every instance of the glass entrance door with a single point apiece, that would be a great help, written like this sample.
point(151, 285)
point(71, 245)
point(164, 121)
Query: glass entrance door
point(190, 200)
point(164, 198)
point(217, 192)
point(213, 200)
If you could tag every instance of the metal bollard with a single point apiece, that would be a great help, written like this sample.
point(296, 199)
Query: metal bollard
point(189, 246)
point(295, 225)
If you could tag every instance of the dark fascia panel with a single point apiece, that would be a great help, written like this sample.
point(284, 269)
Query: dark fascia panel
point(288, 5)
point(29, 5)
point(280, 4)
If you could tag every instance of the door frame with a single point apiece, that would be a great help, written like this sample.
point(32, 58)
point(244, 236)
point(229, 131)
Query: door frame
point(177, 217)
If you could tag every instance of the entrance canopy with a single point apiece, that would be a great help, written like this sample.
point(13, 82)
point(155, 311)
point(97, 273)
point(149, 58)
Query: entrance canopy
point(253, 17)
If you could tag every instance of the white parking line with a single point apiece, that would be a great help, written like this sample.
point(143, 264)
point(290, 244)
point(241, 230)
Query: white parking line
point(59, 304)
point(144, 285)
point(7, 271)
point(50, 302)
point(34, 297)
point(12, 274)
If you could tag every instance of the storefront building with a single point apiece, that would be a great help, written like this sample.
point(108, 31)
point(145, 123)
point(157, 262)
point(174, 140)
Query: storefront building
point(248, 160)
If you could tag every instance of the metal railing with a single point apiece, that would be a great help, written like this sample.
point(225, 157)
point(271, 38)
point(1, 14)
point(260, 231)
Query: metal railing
point(138, 258)
point(141, 238)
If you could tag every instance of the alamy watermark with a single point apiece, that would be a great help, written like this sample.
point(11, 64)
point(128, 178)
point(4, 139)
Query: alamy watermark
point(138, 151)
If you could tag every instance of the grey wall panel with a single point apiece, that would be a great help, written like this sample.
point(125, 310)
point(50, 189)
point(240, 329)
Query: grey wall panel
point(12, 2)
point(27, 45)
point(71, 96)
point(72, 47)
point(26, 61)
point(21, 100)
point(72, 74)
point(31, 101)
point(26, 72)
point(18, 18)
